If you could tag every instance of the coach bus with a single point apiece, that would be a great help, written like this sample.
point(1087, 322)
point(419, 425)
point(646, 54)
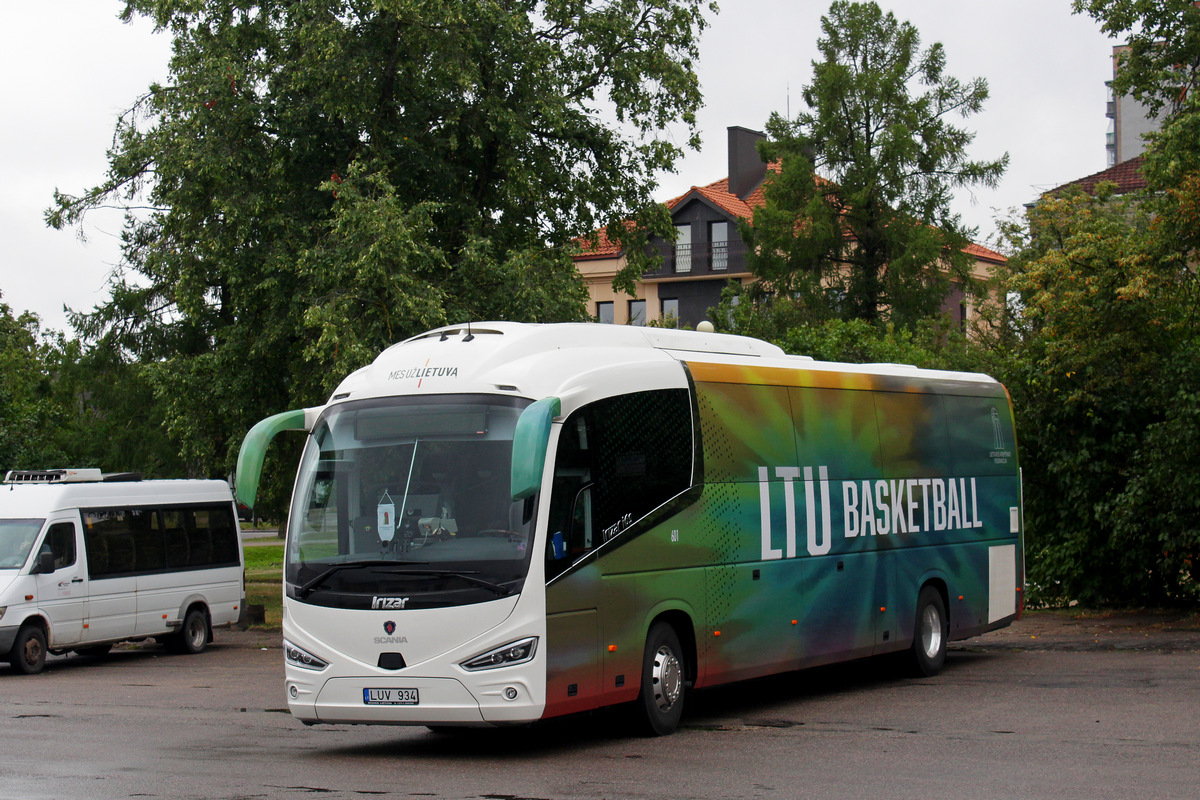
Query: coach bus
point(499, 523)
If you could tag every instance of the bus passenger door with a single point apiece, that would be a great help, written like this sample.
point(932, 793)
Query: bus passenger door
point(572, 643)
point(62, 594)
point(572, 599)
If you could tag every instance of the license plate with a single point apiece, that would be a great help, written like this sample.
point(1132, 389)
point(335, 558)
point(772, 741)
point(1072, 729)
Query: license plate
point(391, 697)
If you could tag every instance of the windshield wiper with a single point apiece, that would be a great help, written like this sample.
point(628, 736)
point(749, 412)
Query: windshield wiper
point(308, 587)
point(401, 568)
point(466, 576)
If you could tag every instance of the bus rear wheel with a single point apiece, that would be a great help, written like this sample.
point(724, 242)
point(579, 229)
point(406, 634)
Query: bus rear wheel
point(192, 637)
point(663, 687)
point(930, 634)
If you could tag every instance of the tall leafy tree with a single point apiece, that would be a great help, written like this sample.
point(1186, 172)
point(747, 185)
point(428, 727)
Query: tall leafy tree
point(318, 178)
point(30, 414)
point(1102, 347)
point(1103, 374)
point(857, 222)
point(111, 420)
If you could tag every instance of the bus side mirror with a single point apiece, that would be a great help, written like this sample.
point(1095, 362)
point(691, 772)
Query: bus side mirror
point(254, 450)
point(44, 564)
point(531, 439)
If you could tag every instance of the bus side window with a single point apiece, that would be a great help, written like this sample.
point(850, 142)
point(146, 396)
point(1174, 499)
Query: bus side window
point(60, 540)
point(618, 459)
point(583, 537)
point(572, 476)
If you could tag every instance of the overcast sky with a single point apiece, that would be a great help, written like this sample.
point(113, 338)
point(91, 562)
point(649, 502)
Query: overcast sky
point(71, 66)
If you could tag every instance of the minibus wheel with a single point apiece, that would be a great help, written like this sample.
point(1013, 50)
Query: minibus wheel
point(28, 654)
point(193, 634)
point(662, 693)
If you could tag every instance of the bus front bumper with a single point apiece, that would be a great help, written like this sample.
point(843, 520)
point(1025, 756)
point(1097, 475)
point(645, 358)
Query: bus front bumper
point(410, 700)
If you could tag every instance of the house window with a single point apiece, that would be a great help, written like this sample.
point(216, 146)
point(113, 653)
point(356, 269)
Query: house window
point(719, 236)
point(670, 311)
point(683, 248)
point(637, 312)
point(604, 312)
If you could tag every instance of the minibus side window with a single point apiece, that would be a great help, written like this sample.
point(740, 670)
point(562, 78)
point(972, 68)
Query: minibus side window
point(60, 540)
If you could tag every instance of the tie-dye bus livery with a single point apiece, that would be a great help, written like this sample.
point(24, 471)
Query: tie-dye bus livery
point(498, 523)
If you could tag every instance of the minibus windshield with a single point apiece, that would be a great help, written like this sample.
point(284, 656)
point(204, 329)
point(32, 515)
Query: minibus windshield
point(16, 540)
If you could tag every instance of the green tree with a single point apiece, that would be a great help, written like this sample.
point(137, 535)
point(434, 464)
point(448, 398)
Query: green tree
point(111, 419)
point(873, 237)
point(319, 178)
point(30, 416)
point(1103, 377)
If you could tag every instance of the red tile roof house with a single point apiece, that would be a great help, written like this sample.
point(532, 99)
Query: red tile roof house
point(1127, 176)
point(709, 251)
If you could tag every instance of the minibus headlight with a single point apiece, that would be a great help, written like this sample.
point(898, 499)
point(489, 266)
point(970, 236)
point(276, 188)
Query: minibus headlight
point(506, 656)
point(302, 658)
point(2, 610)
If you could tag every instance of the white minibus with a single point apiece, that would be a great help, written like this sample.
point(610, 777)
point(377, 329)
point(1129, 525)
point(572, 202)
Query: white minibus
point(88, 560)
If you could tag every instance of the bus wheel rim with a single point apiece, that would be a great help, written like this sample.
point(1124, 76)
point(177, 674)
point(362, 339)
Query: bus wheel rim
point(667, 676)
point(195, 632)
point(931, 631)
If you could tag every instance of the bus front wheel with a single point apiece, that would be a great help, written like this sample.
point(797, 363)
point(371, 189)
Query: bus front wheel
point(930, 633)
point(662, 693)
point(28, 654)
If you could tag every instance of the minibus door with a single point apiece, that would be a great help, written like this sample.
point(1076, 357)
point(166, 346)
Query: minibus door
point(62, 593)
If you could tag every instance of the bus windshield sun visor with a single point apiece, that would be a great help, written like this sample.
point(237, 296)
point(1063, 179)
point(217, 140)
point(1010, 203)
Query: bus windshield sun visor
point(530, 442)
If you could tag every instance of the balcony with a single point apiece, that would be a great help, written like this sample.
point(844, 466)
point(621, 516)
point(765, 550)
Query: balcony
point(699, 260)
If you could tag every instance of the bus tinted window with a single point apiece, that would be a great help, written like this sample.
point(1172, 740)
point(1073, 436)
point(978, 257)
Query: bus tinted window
point(836, 429)
point(744, 427)
point(981, 435)
point(124, 541)
point(618, 459)
point(912, 432)
point(60, 539)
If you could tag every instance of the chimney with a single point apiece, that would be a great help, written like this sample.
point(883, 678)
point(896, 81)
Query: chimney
point(746, 169)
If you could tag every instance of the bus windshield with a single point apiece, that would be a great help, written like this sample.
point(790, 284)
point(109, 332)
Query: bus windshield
point(407, 503)
point(16, 539)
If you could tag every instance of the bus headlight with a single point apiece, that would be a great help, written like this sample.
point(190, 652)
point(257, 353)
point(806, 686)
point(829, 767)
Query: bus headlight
point(2, 610)
point(506, 656)
point(302, 658)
